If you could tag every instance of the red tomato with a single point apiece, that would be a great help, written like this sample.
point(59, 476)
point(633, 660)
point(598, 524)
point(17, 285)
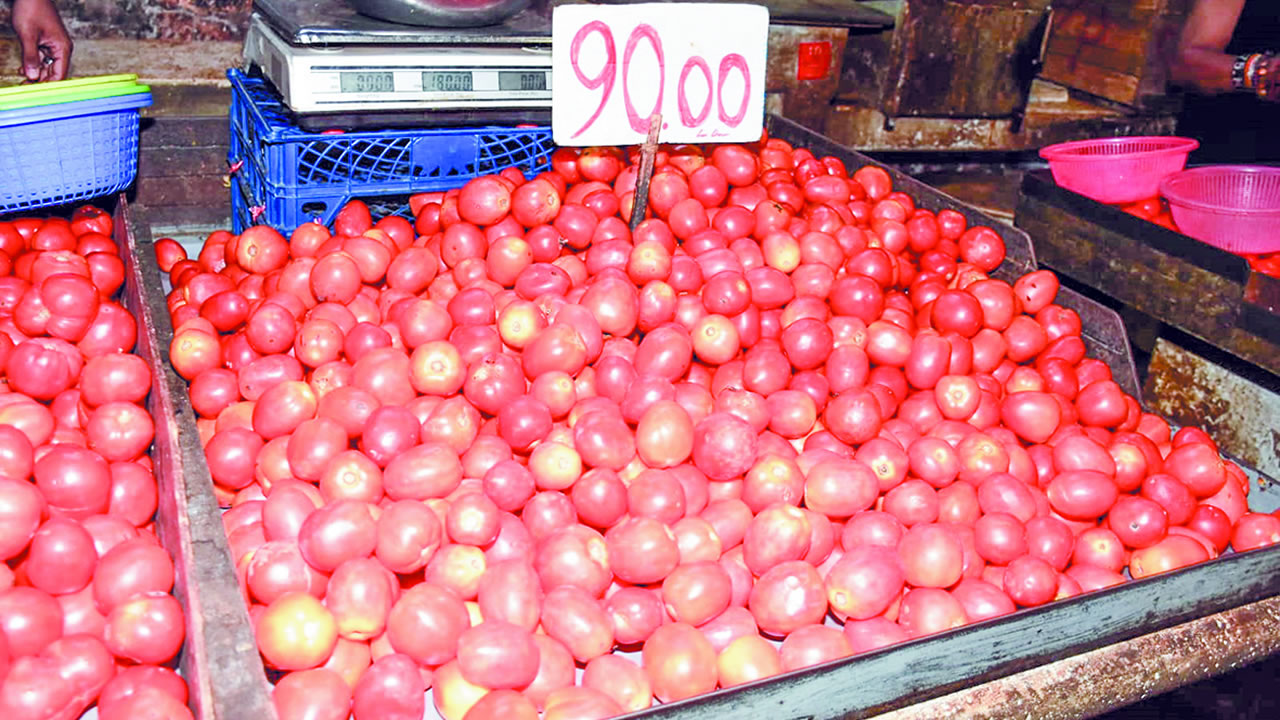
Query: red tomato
point(680, 662)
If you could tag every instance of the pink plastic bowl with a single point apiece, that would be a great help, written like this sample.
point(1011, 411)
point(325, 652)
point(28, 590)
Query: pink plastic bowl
point(1117, 170)
point(1233, 207)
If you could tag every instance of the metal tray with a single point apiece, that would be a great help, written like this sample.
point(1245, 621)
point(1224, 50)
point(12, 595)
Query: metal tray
point(855, 687)
point(922, 669)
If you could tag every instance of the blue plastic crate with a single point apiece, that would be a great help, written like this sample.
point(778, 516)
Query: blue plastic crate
point(285, 214)
point(63, 153)
point(295, 176)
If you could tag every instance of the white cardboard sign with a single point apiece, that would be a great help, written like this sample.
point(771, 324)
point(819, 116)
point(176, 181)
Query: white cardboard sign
point(701, 65)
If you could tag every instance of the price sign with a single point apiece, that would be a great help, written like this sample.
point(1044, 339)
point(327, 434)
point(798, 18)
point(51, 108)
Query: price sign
point(699, 65)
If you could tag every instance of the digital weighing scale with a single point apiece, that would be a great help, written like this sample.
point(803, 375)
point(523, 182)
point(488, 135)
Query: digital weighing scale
point(335, 67)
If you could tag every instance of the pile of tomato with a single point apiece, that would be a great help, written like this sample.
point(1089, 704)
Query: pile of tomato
point(537, 462)
point(86, 614)
point(1156, 210)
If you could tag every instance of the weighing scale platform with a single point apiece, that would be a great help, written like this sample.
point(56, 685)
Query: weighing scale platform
point(335, 22)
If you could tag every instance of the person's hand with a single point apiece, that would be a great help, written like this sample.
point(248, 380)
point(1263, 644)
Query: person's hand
point(1266, 78)
point(46, 46)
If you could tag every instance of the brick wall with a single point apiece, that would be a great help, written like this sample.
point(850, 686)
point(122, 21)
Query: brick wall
point(151, 19)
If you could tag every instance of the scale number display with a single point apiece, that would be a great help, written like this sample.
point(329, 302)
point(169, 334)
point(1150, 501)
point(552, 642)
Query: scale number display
point(460, 83)
point(522, 81)
point(367, 82)
point(447, 81)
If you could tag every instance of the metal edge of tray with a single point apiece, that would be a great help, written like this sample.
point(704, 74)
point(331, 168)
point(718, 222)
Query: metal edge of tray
point(923, 669)
point(1039, 184)
point(1105, 337)
point(220, 658)
point(1092, 683)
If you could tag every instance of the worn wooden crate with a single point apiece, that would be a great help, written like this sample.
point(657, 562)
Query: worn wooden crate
point(220, 658)
point(1114, 49)
point(947, 58)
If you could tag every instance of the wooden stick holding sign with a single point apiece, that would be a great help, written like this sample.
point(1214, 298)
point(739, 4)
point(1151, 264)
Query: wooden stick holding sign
point(640, 199)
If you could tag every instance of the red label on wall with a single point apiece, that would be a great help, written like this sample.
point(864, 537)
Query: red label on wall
point(813, 60)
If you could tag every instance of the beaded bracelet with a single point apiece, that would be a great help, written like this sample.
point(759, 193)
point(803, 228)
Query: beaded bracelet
point(1260, 87)
point(1237, 71)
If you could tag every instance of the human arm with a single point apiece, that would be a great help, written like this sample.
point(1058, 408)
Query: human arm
point(46, 46)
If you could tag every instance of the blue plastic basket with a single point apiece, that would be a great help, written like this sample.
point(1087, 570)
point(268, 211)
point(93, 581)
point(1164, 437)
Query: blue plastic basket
point(285, 176)
point(56, 154)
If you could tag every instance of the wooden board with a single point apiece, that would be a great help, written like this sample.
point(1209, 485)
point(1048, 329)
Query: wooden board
point(1047, 121)
point(1115, 49)
point(948, 58)
point(220, 658)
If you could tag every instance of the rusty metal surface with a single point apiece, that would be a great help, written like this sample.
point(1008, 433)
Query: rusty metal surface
point(1092, 683)
point(805, 101)
point(1105, 338)
point(1241, 416)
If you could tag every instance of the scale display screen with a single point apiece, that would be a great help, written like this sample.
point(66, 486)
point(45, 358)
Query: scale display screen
point(522, 81)
point(367, 82)
point(447, 81)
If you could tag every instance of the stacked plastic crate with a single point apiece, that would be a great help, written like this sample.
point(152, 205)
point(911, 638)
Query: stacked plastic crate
point(284, 176)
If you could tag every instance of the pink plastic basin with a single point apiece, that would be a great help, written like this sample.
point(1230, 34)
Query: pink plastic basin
point(1117, 170)
point(1233, 207)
